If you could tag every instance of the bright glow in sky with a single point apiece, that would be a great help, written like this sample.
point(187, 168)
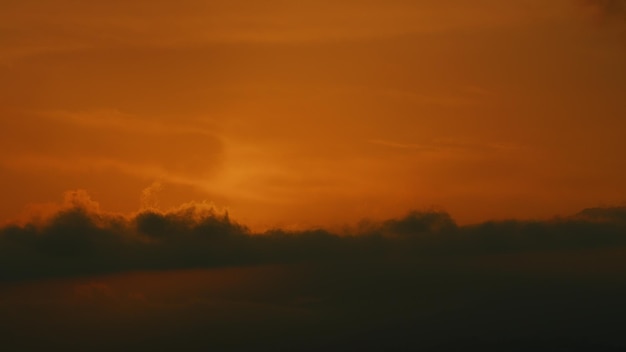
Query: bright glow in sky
point(300, 113)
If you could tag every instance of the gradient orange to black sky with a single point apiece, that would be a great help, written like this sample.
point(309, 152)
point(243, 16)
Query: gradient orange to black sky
point(312, 175)
point(302, 113)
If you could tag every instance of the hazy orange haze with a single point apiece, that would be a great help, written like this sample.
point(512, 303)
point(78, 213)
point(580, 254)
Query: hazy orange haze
point(309, 112)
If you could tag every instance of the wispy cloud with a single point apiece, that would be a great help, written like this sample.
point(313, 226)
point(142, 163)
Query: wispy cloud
point(38, 27)
point(447, 145)
point(116, 120)
point(77, 140)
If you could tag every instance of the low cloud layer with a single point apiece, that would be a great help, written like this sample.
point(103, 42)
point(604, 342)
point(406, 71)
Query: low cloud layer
point(80, 239)
point(194, 279)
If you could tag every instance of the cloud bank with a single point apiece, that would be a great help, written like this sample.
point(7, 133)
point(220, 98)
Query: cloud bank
point(80, 239)
point(194, 279)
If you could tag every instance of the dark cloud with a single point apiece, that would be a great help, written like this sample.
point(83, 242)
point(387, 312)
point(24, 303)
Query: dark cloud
point(82, 241)
point(609, 8)
point(420, 282)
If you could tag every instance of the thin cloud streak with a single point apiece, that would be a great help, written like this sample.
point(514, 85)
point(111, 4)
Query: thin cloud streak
point(117, 120)
point(450, 145)
point(65, 26)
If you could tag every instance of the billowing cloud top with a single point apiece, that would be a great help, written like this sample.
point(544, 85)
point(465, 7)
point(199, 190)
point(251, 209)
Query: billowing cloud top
point(194, 279)
point(82, 240)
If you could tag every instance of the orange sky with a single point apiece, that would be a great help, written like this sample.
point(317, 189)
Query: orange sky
point(310, 112)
